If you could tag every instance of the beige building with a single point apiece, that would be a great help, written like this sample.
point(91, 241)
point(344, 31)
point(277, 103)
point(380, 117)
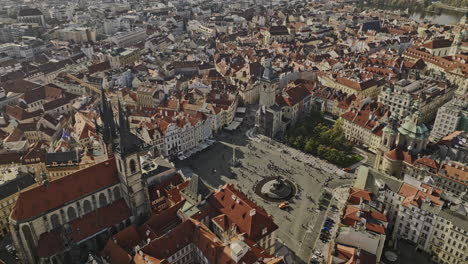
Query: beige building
point(77, 34)
point(450, 239)
point(14, 179)
point(364, 125)
point(451, 117)
point(127, 39)
point(430, 95)
point(455, 69)
point(364, 85)
point(121, 57)
point(147, 96)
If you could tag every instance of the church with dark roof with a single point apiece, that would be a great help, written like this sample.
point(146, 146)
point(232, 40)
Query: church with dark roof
point(108, 213)
point(63, 220)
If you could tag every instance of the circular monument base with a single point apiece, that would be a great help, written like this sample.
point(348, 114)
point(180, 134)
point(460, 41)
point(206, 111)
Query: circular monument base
point(275, 190)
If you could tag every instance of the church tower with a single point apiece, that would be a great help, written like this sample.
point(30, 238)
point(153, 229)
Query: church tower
point(125, 147)
point(390, 132)
point(413, 134)
point(388, 141)
point(268, 86)
point(127, 158)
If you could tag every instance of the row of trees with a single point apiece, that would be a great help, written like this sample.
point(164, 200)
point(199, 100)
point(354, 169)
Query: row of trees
point(456, 3)
point(399, 4)
point(315, 137)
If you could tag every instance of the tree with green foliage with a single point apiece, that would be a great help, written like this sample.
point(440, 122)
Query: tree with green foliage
point(314, 136)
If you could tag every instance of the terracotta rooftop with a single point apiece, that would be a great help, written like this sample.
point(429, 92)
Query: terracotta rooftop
point(437, 44)
point(103, 218)
point(355, 196)
point(398, 154)
point(248, 217)
point(368, 117)
point(457, 171)
point(414, 196)
point(35, 201)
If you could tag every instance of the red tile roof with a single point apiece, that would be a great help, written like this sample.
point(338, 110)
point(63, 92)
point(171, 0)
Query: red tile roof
point(375, 228)
point(158, 223)
point(104, 217)
point(349, 255)
point(355, 196)
point(351, 216)
point(163, 187)
point(414, 196)
point(241, 213)
point(359, 85)
point(398, 154)
point(99, 67)
point(425, 161)
point(49, 244)
point(378, 216)
point(293, 95)
point(457, 171)
point(222, 221)
point(114, 254)
point(9, 157)
point(128, 238)
point(368, 117)
point(437, 44)
point(35, 201)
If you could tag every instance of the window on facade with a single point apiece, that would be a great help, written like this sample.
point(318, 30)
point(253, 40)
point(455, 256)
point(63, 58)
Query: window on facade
point(132, 166)
point(87, 206)
point(55, 221)
point(102, 200)
point(71, 213)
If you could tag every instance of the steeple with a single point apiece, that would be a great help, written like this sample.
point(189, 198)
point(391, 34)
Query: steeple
point(196, 191)
point(393, 121)
point(127, 142)
point(416, 116)
point(268, 73)
point(108, 131)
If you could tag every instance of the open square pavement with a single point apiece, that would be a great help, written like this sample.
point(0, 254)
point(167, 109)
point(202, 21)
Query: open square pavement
point(300, 226)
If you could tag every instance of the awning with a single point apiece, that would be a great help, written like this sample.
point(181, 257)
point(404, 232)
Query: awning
point(233, 126)
point(241, 110)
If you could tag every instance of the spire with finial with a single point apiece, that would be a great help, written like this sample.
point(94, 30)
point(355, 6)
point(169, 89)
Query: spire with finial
point(268, 72)
point(96, 126)
point(127, 141)
point(416, 113)
point(107, 117)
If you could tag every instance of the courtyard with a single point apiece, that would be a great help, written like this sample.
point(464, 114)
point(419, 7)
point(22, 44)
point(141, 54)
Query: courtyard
point(258, 158)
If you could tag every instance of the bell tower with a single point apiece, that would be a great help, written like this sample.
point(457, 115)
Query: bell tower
point(388, 141)
point(127, 147)
point(268, 86)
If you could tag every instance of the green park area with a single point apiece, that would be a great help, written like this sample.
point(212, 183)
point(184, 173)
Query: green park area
point(315, 136)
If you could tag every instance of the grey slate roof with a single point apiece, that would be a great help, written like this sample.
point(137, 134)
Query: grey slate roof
point(371, 180)
point(457, 220)
point(22, 181)
point(195, 188)
point(61, 157)
point(30, 12)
